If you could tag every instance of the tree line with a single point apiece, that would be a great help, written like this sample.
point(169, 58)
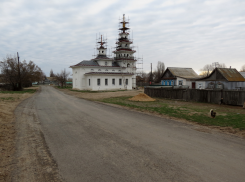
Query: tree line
point(17, 74)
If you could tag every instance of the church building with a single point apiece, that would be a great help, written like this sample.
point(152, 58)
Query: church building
point(104, 73)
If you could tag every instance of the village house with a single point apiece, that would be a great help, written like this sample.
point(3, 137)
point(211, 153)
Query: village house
point(174, 76)
point(222, 78)
point(104, 73)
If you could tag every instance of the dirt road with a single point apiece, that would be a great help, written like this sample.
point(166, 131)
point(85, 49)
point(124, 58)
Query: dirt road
point(63, 137)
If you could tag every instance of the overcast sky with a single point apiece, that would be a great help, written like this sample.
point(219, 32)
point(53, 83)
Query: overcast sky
point(181, 33)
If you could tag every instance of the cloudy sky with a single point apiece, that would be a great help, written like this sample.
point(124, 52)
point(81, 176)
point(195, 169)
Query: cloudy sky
point(181, 33)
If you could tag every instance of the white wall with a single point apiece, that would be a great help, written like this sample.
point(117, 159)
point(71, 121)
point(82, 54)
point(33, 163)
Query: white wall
point(110, 86)
point(183, 81)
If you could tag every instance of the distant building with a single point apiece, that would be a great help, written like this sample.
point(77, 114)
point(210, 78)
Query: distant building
point(222, 78)
point(104, 73)
point(183, 77)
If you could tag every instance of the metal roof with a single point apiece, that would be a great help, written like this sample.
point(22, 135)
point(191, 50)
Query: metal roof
point(94, 63)
point(231, 74)
point(243, 73)
point(188, 73)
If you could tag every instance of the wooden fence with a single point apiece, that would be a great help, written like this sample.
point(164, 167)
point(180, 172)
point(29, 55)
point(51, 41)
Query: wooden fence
point(210, 96)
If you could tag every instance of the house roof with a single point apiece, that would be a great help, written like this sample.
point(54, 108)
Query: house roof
point(188, 73)
point(242, 73)
point(108, 73)
point(231, 74)
point(94, 63)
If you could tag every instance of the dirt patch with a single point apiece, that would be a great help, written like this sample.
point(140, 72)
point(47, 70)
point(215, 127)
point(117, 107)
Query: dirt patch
point(102, 95)
point(8, 103)
point(142, 97)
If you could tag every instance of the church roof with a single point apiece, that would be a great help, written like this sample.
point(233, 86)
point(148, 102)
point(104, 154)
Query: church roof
point(102, 57)
point(94, 63)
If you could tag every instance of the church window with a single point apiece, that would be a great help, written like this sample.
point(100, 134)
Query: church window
point(98, 81)
point(113, 81)
point(126, 45)
point(102, 51)
point(120, 81)
point(113, 70)
point(106, 81)
point(127, 55)
point(106, 63)
point(128, 65)
point(92, 69)
point(126, 81)
point(106, 70)
point(99, 69)
point(89, 82)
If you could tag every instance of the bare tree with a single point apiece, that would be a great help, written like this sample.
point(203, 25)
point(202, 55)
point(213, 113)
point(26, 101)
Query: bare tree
point(18, 74)
point(242, 68)
point(157, 74)
point(62, 77)
point(208, 68)
point(51, 73)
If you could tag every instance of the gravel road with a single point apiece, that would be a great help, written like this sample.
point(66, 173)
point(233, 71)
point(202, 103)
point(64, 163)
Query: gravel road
point(63, 138)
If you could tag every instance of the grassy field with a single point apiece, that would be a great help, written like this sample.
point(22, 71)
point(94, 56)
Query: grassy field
point(19, 92)
point(8, 102)
point(227, 116)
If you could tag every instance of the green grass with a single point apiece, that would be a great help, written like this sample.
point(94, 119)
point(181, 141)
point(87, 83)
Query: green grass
point(19, 92)
point(196, 114)
point(7, 99)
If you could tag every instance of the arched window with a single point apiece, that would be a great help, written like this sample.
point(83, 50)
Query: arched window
point(102, 51)
point(128, 65)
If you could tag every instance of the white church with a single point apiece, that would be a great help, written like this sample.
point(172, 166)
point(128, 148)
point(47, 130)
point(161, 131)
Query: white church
point(104, 73)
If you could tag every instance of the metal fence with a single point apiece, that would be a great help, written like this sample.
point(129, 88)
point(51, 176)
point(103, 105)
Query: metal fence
point(210, 96)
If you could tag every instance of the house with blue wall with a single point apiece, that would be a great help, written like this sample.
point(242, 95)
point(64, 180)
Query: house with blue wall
point(175, 76)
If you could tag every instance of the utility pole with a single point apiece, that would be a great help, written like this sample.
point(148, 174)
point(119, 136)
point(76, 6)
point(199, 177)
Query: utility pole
point(19, 83)
point(151, 76)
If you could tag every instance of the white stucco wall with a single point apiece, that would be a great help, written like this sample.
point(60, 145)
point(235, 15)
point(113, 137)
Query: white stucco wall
point(183, 81)
point(81, 81)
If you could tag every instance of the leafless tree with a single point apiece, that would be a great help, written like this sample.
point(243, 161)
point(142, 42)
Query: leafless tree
point(157, 74)
point(51, 73)
point(19, 74)
point(62, 77)
point(242, 68)
point(208, 68)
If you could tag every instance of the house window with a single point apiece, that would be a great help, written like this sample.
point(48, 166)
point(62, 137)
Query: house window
point(89, 82)
point(180, 82)
point(126, 81)
point(106, 81)
point(120, 81)
point(113, 81)
point(98, 81)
